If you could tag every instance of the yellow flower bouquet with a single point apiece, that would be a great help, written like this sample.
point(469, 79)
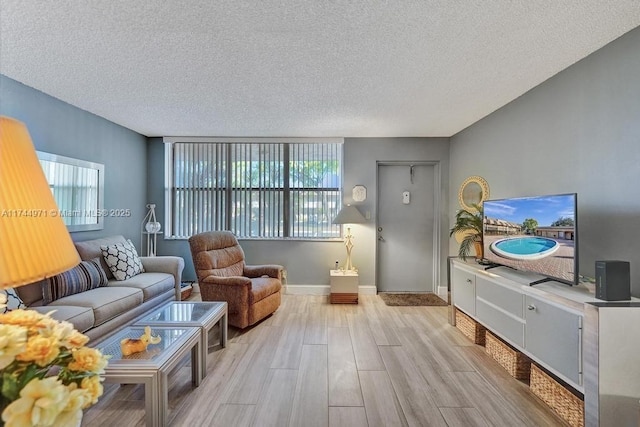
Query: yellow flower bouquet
point(47, 375)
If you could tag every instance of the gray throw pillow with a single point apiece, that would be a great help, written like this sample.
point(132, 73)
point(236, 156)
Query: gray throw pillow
point(123, 260)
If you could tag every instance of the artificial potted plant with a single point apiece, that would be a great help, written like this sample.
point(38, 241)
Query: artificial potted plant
point(469, 224)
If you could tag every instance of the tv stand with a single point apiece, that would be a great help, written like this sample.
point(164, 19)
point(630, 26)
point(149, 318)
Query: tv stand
point(537, 282)
point(533, 319)
point(563, 329)
point(487, 264)
point(493, 265)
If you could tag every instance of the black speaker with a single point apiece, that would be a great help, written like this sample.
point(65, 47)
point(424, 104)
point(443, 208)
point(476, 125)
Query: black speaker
point(613, 280)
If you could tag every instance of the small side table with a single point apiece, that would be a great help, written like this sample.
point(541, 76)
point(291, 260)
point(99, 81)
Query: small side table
point(344, 287)
point(192, 313)
point(152, 366)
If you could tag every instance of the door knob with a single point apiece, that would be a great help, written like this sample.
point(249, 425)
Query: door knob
point(531, 307)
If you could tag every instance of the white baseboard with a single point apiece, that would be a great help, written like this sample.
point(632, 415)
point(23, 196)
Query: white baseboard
point(442, 292)
point(324, 290)
point(307, 289)
point(367, 290)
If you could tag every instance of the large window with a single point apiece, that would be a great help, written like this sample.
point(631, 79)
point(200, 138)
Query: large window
point(266, 189)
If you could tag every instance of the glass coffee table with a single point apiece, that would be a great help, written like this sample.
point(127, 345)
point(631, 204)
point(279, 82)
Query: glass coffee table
point(151, 367)
point(204, 315)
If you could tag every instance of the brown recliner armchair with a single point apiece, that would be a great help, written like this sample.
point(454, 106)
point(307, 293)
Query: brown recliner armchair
point(251, 292)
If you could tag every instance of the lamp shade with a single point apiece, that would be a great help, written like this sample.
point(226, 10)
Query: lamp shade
point(34, 241)
point(349, 215)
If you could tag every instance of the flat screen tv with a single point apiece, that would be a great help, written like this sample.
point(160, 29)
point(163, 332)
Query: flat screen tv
point(536, 234)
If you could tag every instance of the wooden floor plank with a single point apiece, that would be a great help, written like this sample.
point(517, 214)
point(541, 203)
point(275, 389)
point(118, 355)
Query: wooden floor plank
point(391, 315)
point(432, 321)
point(316, 329)
point(221, 372)
point(351, 362)
point(517, 393)
point(275, 405)
point(344, 384)
point(365, 348)
point(416, 396)
point(253, 368)
point(380, 401)
point(311, 398)
point(353, 416)
point(432, 369)
point(463, 417)
point(122, 413)
point(383, 333)
point(493, 406)
point(289, 347)
point(337, 315)
point(233, 415)
point(436, 353)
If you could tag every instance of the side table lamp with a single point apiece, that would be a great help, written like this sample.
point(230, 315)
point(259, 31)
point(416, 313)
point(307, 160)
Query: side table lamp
point(349, 215)
point(35, 244)
point(34, 241)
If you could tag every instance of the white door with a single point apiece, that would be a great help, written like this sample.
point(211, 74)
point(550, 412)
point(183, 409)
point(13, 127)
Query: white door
point(405, 227)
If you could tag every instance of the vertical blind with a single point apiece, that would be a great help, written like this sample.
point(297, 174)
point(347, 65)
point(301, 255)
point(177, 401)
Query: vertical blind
point(259, 190)
point(75, 190)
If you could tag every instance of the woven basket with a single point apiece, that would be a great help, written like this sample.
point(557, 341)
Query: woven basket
point(470, 328)
point(567, 405)
point(516, 363)
point(185, 292)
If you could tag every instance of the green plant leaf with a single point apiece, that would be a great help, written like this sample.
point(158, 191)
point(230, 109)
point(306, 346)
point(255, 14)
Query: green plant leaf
point(470, 224)
point(10, 386)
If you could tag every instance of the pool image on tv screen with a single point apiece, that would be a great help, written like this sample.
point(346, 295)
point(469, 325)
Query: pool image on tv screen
point(536, 234)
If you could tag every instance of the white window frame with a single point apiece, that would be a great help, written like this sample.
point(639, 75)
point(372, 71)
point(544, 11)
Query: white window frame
point(169, 177)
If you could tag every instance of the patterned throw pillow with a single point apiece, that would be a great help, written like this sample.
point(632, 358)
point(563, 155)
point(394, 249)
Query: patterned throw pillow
point(84, 276)
point(13, 300)
point(122, 260)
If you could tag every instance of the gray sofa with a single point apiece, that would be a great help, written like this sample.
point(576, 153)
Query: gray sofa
point(99, 312)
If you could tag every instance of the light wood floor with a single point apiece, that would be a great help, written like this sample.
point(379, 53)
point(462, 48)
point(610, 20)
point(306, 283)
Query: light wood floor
point(317, 364)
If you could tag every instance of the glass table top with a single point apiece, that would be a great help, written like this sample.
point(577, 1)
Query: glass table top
point(169, 336)
point(182, 312)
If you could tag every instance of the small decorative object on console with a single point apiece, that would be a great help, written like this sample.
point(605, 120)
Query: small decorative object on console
point(130, 345)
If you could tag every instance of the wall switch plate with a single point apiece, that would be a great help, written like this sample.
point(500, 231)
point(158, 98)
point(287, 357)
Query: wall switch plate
point(406, 197)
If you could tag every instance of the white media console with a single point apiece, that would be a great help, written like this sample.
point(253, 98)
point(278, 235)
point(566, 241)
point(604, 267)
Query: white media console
point(592, 345)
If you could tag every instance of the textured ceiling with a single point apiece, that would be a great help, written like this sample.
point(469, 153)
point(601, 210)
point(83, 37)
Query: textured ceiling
point(299, 67)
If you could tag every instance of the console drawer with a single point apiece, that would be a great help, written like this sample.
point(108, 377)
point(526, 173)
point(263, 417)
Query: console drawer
point(505, 297)
point(503, 324)
point(463, 290)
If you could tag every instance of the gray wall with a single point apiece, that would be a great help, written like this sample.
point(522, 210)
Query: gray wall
point(60, 128)
point(361, 157)
point(577, 132)
point(308, 262)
